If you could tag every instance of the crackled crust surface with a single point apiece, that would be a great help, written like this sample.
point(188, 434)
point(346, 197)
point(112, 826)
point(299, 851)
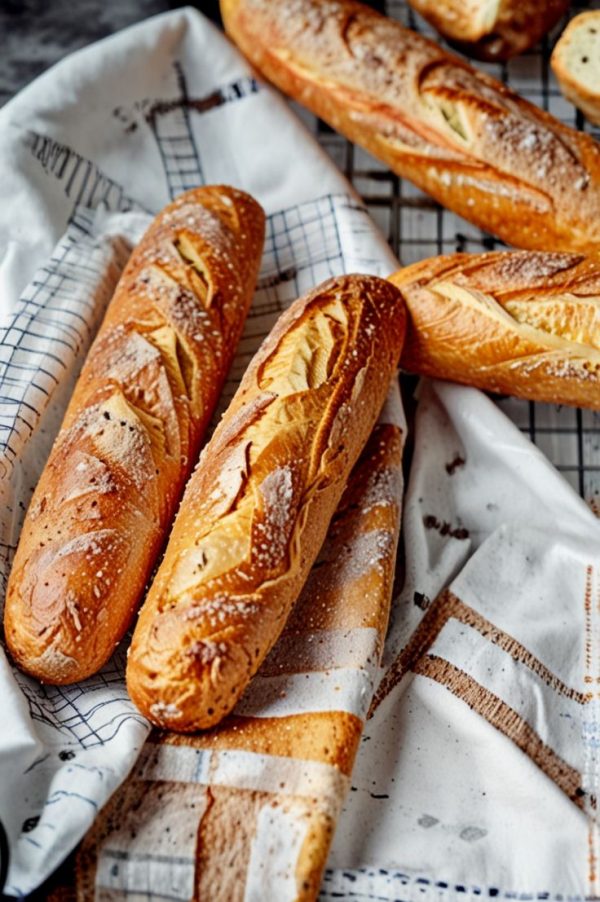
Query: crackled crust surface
point(492, 29)
point(339, 622)
point(465, 138)
point(256, 510)
point(519, 323)
point(130, 436)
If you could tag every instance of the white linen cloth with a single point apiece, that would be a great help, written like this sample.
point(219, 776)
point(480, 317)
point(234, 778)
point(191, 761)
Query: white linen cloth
point(479, 768)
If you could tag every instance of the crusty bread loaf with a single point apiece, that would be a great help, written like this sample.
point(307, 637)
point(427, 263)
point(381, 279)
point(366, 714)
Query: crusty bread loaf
point(465, 138)
point(520, 323)
point(576, 63)
point(221, 799)
point(130, 436)
point(460, 20)
point(492, 29)
point(256, 510)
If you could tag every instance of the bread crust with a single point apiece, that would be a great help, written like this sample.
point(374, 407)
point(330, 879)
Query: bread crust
point(346, 597)
point(256, 510)
point(104, 502)
point(586, 99)
point(489, 30)
point(524, 324)
point(460, 20)
point(460, 135)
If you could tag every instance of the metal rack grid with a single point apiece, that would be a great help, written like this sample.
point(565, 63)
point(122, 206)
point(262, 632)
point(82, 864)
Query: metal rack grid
point(417, 227)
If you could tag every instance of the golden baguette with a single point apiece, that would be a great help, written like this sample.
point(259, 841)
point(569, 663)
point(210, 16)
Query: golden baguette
point(101, 511)
point(520, 323)
point(492, 29)
point(255, 775)
point(257, 507)
point(465, 138)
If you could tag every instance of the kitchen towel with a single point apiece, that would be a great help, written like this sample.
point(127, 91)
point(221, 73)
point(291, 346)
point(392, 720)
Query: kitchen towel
point(478, 768)
point(87, 153)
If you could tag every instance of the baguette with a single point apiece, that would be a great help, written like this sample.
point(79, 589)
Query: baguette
point(519, 323)
point(576, 63)
point(492, 30)
point(105, 500)
point(460, 135)
point(258, 773)
point(257, 507)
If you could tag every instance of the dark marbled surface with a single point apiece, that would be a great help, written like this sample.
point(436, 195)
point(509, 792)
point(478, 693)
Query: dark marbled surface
point(35, 34)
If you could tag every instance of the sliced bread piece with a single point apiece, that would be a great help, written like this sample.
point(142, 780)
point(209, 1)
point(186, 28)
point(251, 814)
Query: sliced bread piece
point(576, 63)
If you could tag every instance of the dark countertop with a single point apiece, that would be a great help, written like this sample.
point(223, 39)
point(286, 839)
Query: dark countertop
point(38, 33)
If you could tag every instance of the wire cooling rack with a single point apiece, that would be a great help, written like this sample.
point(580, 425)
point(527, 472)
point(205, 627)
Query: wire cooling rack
point(417, 227)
